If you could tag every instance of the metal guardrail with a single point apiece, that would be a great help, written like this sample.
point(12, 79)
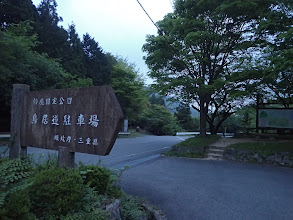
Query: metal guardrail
point(124, 133)
point(4, 135)
point(197, 133)
point(186, 133)
point(177, 134)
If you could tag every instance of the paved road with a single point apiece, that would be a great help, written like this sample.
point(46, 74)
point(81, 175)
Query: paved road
point(197, 189)
point(201, 189)
point(126, 151)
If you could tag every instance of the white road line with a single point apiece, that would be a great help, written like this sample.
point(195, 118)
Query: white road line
point(129, 155)
point(136, 162)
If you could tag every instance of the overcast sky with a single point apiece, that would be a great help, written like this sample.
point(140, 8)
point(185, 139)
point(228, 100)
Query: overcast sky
point(120, 27)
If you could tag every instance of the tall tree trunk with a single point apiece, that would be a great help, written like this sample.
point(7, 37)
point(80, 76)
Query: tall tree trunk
point(203, 116)
point(213, 129)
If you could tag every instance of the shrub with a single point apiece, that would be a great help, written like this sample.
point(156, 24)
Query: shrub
point(131, 208)
point(56, 191)
point(114, 187)
point(46, 162)
point(13, 176)
point(114, 191)
point(14, 200)
point(96, 177)
point(98, 214)
point(92, 207)
point(3, 160)
point(17, 206)
point(14, 171)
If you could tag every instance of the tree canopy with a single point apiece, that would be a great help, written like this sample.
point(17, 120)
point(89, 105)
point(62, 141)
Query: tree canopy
point(184, 118)
point(203, 51)
point(37, 51)
point(276, 67)
point(158, 120)
point(19, 64)
point(128, 87)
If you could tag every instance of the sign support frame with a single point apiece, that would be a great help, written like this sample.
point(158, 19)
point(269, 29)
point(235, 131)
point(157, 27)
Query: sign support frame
point(17, 109)
point(65, 157)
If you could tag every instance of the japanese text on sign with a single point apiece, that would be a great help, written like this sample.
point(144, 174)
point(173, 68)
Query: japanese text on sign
point(68, 139)
point(86, 120)
point(52, 101)
point(45, 119)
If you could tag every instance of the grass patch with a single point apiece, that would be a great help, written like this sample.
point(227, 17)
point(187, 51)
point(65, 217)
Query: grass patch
point(193, 147)
point(269, 147)
point(4, 141)
point(199, 141)
point(185, 154)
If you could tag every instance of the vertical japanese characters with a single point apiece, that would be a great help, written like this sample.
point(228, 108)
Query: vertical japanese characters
point(67, 120)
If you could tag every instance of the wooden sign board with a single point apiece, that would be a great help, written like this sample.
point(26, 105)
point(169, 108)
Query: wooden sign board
point(85, 120)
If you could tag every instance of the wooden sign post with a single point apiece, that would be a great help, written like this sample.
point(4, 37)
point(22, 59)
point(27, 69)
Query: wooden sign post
point(85, 120)
point(17, 108)
point(65, 157)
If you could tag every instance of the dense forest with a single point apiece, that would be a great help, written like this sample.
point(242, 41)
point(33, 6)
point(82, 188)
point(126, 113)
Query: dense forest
point(204, 54)
point(36, 50)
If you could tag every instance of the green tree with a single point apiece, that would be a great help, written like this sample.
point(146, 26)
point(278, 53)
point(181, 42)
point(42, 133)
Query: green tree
point(276, 67)
point(157, 120)
point(184, 118)
point(128, 87)
point(97, 66)
point(15, 11)
point(20, 64)
point(156, 99)
point(52, 38)
point(200, 52)
point(231, 125)
point(74, 61)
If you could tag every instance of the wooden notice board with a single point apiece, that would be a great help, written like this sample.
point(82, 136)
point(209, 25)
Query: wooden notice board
point(85, 120)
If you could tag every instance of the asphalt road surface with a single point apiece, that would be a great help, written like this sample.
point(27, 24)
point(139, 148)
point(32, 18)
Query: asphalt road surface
point(205, 189)
point(126, 151)
point(193, 188)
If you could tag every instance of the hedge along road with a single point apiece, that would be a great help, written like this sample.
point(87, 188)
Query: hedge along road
point(126, 151)
point(205, 189)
